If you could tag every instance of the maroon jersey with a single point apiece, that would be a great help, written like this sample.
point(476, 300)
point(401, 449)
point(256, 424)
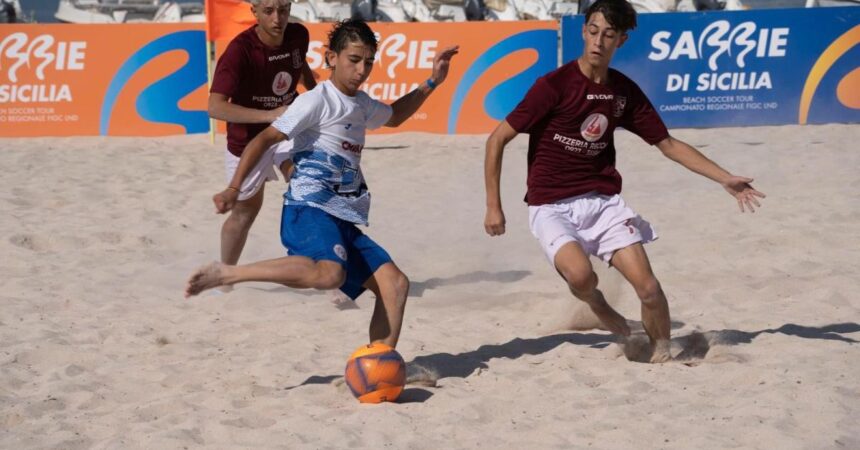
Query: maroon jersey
point(254, 75)
point(571, 121)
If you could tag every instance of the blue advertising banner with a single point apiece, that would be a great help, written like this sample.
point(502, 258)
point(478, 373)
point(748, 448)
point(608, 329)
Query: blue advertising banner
point(740, 68)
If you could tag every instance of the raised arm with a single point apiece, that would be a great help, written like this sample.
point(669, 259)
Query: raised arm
point(226, 199)
point(687, 156)
point(404, 107)
point(220, 108)
point(494, 221)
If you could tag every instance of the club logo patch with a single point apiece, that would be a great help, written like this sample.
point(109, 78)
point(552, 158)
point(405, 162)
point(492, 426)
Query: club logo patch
point(618, 107)
point(340, 252)
point(593, 127)
point(282, 83)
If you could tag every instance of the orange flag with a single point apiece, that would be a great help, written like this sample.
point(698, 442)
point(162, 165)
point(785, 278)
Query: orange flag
point(227, 18)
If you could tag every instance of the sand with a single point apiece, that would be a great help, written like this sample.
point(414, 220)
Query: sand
point(98, 348)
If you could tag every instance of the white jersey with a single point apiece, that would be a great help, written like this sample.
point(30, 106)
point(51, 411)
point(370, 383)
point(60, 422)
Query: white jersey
point(328, 128)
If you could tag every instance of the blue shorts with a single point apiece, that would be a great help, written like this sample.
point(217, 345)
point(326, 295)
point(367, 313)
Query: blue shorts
point(315, 234)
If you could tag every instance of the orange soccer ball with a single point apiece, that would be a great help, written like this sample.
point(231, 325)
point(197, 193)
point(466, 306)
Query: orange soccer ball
point(375, 373)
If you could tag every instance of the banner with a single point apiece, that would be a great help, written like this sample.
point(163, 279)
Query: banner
point(227, 18)
point(87, 80)
point(741, 68)
point(497, 64)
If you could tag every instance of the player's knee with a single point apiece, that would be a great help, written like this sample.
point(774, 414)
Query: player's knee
point(581, 281)
point(329, 277)
point(243, 218)
point(401, 285)
point(649, 292)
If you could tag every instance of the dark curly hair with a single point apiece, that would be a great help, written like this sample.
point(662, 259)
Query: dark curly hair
point(619, 13)
point(351, 30)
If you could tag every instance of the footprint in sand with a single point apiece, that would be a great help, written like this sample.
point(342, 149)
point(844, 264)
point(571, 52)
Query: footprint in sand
point(74, 370)
point(109, 237)
point(249, 422)
point(691, 350)
point(54, 243)
point(48, 405)
point(28, 241)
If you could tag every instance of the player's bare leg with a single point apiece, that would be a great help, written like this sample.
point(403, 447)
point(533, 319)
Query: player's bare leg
point(234, 232)
point(633, 263)
point(391, 288)
point(293, 271)
point(573, 265)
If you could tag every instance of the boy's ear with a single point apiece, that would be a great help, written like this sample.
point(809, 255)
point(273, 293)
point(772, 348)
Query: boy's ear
point(623, 39)
point(330, 58)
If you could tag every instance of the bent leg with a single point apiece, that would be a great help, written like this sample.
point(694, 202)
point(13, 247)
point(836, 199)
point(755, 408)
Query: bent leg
point(632, 262)
point(573, 265)
point(391, 288)
point(293, 271)
point(234, 232)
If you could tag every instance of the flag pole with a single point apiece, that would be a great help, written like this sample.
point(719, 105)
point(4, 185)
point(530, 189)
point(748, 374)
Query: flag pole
point(209, 86)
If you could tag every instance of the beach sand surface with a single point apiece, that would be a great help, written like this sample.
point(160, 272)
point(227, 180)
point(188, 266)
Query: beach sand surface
point(98, 348)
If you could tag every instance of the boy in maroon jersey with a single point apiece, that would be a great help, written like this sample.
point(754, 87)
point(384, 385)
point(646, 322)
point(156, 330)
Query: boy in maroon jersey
point(575, 207)
point(254, 80)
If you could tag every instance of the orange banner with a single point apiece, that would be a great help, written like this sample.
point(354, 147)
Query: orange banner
point(86, 80)
point(227, 18)
point(498, 62)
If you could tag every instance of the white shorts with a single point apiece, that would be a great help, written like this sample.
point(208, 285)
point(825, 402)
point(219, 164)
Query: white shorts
point(265, 170)
point(601, 224)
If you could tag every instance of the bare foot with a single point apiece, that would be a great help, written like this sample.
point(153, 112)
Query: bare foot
point(661, 352)
point(611, 319)
point(206, 277)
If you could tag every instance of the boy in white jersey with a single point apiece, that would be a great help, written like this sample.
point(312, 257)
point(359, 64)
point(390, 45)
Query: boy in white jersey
point(327, 194)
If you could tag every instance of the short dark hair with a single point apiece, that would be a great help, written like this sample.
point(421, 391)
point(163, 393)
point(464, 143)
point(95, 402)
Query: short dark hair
point(619, 13)
point(351, 30)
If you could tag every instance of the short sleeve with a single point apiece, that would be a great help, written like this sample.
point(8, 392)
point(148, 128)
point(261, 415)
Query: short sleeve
point(305, 112)
point(304, 39)
point(378, 113)
point(642, 119)
point(228, 71)
point(538, 102)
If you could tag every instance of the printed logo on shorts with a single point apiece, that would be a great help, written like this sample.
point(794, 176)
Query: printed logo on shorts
point(618, 107)
point(282, 83)
point(593, 127)
point(340, 252)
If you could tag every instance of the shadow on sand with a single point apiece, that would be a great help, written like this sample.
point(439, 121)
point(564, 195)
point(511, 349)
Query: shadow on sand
point(695, 346)
point(417, 288)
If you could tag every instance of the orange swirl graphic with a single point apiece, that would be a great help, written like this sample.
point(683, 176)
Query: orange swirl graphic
point(838, 48)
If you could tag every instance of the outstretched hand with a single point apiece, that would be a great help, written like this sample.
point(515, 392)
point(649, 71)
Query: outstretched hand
point(743, 192)
point(225, 200)
point(442, 62)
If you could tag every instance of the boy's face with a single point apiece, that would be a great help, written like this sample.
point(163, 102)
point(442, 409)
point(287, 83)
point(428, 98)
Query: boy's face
point(351, 66)
point(272, 15)
point(601, 40)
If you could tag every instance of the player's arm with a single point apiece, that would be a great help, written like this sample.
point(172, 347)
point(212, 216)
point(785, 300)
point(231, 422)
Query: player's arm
point(226, 199)
point(220, 108)
point(404, 107)
point(494, 221)
point(687, 156)
point(308, 80)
